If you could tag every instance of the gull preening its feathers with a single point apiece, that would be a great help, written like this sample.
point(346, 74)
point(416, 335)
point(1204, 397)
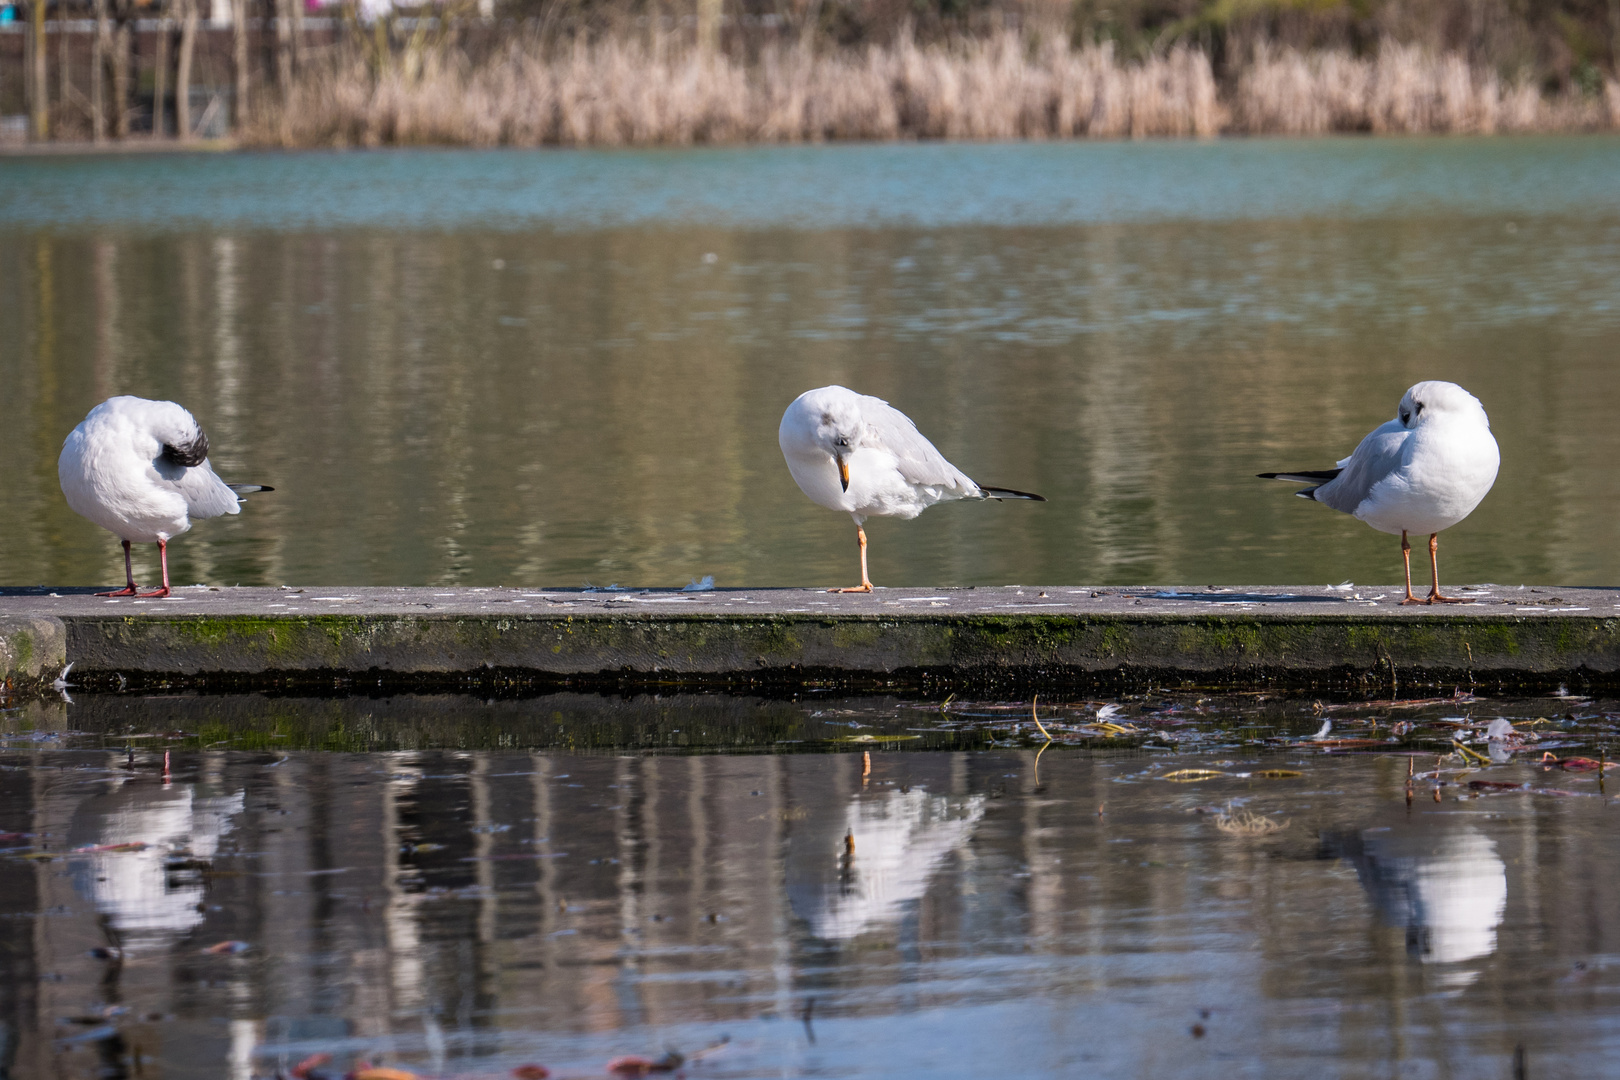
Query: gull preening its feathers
point(861, 455)
point(1421, 472)
point(139, 469)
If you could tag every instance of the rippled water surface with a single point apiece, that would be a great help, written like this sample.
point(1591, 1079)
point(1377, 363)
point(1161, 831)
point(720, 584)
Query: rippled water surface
point(1222, 888)
point(558, 367)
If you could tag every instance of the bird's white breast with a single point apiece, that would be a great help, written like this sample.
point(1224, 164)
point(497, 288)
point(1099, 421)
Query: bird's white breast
point(1449, 468)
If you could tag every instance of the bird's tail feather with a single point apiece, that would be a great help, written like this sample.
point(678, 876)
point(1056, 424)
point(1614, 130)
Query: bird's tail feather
point(1303, 476)
point(1318, 477)
point(1009, 493)
point(248, 489)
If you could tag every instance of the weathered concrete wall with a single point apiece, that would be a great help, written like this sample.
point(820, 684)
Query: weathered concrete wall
point(394, 636)
point(33, 650)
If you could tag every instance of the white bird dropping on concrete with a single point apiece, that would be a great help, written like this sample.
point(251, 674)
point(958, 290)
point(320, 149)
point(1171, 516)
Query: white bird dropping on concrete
point(139, 469)
point(859, 454)
point(1422, 472)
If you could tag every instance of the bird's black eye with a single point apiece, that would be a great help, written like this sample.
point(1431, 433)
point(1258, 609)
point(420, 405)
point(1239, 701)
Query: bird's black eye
point(1419, 409)
point(842, 441)
point(1406, 418)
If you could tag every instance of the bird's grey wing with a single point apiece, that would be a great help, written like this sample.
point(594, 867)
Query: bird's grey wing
point(1379, 454)
point(919, 461)
point(206, 494)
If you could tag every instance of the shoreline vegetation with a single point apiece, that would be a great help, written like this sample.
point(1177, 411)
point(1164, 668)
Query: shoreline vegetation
point(634, 93)
point(269, 73)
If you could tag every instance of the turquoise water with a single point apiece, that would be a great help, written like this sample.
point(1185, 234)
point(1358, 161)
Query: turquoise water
point(561, 367)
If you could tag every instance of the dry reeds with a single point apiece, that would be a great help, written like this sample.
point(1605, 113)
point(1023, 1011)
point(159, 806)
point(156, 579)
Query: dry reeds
point(1402, 90)
point(636, 93)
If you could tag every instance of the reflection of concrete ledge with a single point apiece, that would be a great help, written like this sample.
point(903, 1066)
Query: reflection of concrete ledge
point(419, 638)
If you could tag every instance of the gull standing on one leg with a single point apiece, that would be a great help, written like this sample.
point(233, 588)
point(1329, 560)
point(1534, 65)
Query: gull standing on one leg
point(139, 469)
point(1422, 472)
point(861, 455)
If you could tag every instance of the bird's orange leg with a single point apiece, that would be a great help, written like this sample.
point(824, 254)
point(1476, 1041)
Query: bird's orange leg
point(1434, 564)
point(1406, 555)
point(129, 588)
point(163, 556)
point(866, 582)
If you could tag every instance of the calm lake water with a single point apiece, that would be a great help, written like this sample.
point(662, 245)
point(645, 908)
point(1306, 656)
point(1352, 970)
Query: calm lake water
point(851, 910)
point(568, 367)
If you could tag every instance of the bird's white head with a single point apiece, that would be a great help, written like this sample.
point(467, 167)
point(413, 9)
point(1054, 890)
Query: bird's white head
point(1430, 401)
point(164, 427)
point(824, 423)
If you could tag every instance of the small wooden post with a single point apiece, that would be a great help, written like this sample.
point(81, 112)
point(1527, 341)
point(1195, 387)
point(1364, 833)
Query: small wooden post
point(40, 81)
point(160, 75)
point(239, 18)
point(182, 79)
point(98, 73)
point(121, 87)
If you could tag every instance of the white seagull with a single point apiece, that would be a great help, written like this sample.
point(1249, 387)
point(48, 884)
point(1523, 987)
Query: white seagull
point(861, 455)
point(139, 469)
point(1422, 472)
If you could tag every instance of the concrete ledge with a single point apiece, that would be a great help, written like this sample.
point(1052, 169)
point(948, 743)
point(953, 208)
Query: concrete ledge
point(426, 638)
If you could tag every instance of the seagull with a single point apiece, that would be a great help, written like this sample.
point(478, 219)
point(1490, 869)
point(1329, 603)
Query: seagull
point(139, 469)
point(1422, 472)
point(861, 455)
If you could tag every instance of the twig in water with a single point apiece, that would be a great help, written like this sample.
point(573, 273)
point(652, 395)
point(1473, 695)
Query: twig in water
point(1241, 822)
point(1036, 717)
point(809, 1010)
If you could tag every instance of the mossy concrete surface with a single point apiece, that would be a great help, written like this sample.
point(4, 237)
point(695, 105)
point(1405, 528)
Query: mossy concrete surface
point(33, 650)
point(1213, 637)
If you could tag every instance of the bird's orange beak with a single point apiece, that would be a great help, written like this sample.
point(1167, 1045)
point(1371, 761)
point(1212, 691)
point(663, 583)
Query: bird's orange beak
point(843, 473)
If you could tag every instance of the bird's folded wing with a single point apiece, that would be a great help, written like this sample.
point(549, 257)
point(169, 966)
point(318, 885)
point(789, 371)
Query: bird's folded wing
point(1381, 453)
point(919, 462)
point(206, 495)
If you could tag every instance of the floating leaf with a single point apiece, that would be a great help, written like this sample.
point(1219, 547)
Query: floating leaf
point(227, 948)
point(1278, 774)
point(1188, 776)
point(374, 1072)
point(531, 1072)
point(97, 849)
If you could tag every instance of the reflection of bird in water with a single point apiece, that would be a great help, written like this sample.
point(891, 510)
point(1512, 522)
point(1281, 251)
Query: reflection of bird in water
point(881, 858)
point(1448, 889)
point(139, 469)
point(134, 890)
point(859, 454)
point(1421, 472)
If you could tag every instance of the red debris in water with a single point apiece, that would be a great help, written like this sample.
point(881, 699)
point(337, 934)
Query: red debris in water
point(640, 1066)
point(1494, 785)
point(531, 1072)
point(1575, 764)
point(301, 1070)
point(227, 948)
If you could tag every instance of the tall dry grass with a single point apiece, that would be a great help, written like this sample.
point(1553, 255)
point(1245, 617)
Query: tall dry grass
point(629, 93)
point(1402, 90)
